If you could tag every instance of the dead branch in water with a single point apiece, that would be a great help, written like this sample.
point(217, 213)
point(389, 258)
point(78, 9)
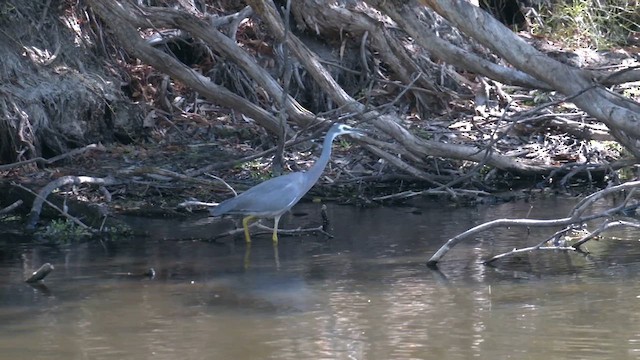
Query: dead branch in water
point(576, 217)
point(269, 230)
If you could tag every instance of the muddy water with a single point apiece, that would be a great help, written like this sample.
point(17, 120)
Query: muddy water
point(364, 294)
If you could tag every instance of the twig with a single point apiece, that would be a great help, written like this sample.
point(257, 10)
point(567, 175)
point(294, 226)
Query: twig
point(41, 160)
point(587, 201)
point(528, 249)
point(224, 182)
point(296, 231)
point(604, 227)
point(269, 230)
point(397, 162)
point(222, 165)
point(410, 193)
point(168, 174)
point(189, 203)
point(574, 247)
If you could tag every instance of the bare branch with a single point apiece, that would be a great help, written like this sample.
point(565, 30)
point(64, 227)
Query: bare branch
point(576, 216)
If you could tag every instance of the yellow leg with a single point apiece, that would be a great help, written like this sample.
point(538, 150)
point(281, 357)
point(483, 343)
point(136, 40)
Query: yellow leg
point(275, 230)
point(245, 225)
point(247, 256)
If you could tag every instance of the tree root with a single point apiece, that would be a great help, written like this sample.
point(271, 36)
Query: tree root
point(41, 196)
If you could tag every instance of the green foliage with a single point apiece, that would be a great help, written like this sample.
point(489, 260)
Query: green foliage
point(344, 144)
point(63, 231)
point(596, 24)
point(117, 232)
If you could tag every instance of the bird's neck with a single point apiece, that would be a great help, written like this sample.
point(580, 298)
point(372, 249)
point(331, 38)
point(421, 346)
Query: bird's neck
point(316, 170)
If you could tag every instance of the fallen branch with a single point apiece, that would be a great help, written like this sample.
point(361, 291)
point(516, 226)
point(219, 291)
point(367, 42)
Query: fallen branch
point(563, 247)
point(576, 216)
point(41, 196)
point(191, 203)
point(528, 249)
point(269, 230)
point(604, 227)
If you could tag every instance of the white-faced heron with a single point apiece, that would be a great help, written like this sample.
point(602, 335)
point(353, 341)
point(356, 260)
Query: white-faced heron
point(274, 197)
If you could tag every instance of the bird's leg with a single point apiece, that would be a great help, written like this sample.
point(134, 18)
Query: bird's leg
point(276, 220)
point(247, 256)
point(245, 225)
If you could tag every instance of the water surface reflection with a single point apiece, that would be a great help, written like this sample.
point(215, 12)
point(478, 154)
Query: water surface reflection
point(365, 294)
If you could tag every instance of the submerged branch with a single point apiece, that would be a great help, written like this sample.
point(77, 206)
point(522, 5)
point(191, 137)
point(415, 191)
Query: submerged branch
point(576, 216)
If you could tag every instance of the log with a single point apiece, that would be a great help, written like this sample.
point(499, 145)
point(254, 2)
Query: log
point(40, 274)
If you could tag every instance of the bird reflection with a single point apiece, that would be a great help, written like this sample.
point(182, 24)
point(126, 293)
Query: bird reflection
point(247, 256)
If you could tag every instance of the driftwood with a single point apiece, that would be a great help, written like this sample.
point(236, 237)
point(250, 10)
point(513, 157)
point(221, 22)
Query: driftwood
point(577, 217)
point(40, 274)
point(555, 245)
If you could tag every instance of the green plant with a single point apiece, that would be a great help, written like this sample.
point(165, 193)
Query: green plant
point(590, 23)
point(344, 144)
point(63, 231)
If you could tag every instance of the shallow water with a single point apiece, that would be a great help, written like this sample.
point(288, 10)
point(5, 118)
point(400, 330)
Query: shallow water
point(365, 294)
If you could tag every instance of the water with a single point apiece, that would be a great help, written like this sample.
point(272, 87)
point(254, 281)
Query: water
point(365, 294)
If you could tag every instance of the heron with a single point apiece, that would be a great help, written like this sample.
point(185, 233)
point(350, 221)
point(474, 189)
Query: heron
point(274, 197)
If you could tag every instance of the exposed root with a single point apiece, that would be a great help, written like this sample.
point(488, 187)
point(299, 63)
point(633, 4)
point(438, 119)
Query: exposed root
point(41, 196)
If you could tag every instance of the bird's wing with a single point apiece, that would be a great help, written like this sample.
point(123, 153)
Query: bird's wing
point(274, 196)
